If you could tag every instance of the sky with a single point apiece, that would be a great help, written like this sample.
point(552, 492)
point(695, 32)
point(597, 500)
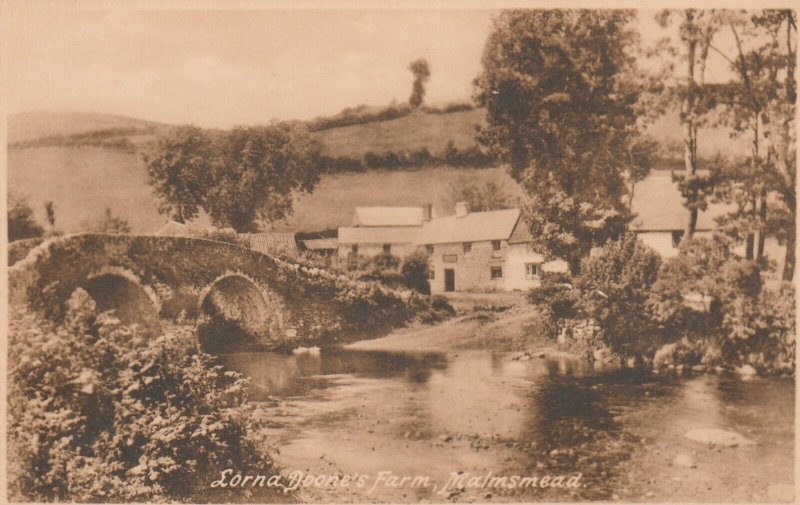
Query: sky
point(230, 67)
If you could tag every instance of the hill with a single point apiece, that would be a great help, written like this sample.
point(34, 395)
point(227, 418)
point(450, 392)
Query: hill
point(29, 126)
point(86, 162)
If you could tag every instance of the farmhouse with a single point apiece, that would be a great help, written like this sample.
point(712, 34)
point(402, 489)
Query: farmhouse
point(469, 251)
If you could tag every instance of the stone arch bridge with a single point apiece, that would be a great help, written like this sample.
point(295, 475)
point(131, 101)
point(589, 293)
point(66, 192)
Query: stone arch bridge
point(242, 298)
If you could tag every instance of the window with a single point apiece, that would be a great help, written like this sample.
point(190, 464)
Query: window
point(676, 238)
point(354, 249)
point(431, 274)
point(495, 245)
point(450, 258)
point(532, 270)
point(387, 248)
point(429, 248)
point(467, 247)
point(497, 272)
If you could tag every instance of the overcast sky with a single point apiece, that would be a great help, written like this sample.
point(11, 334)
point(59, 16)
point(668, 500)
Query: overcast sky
point(221, 68)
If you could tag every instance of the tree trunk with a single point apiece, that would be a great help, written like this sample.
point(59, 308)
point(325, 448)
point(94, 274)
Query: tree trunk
point(762, 225)
point(788, 264)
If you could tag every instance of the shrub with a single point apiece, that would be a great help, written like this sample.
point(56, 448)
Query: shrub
point(614, 286)
point(97, 413)
point(415, 271)
point(21, 223)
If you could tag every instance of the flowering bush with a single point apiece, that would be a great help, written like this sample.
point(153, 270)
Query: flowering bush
point(98, 413)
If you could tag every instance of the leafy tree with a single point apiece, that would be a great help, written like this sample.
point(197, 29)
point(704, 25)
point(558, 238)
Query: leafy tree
point(238, 177)
point(422, 73)
point(21, 223)
point(488, 195)
point(558, 88)
point(109, 223)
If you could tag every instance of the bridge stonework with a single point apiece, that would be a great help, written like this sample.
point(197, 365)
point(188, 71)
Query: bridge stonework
point(148, 280)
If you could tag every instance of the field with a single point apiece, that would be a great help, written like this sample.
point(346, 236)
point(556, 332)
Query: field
point(83, 181)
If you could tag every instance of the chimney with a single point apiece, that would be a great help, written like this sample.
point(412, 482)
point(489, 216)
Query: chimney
point(427, 212)
point(462, 209)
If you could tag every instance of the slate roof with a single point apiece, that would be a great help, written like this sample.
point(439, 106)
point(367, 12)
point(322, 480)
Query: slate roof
point(388, 216)
point(657, 204)
point(378, 235)
point(474, 227)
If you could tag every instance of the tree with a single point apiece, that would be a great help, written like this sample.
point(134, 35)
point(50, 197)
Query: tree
point(481, 197)
point(50, 210)
point(21, 223)
point(561, 113)
point(696, 30)
point(238, 177)
point(422, 73)
point(762, 95)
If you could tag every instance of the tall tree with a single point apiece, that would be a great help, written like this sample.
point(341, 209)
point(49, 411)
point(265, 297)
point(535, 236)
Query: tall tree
point(422, 73)
point(239, 177)
point(762, 96)
point(560, 103)
point(696, 31)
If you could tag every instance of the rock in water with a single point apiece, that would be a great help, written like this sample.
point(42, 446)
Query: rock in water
point(746, 372)
point(780, 493)
point(717, 437)
point(684, 460)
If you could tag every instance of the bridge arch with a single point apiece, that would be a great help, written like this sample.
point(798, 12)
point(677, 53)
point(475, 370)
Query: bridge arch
point(120, 290)
point(235, 313)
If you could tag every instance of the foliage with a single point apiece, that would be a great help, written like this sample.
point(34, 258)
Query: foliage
point(96, 413)
point(238, 176)
point(555, 299)
point(560, 103)
point(362, 114)
point(109, 223)
point(415, 271)
point(614, 287)
point(490, 195)
point(422, 73)
point(117, 139)
point(21, 223)
point(472, 156)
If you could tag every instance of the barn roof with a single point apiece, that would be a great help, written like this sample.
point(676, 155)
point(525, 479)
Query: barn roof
point(272, 243)
point(320, 244)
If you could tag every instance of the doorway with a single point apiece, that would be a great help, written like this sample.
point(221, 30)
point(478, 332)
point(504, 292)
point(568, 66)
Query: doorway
point(449, 279)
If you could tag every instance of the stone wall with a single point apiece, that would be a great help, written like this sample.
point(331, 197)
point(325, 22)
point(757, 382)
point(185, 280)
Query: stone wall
point(472, 269)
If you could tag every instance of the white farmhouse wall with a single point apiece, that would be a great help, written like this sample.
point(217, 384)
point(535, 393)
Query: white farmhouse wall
point(516, 272)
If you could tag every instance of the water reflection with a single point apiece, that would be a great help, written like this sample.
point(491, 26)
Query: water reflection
point(478, 411)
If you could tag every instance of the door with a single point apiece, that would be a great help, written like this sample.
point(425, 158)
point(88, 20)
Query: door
point(449, 279)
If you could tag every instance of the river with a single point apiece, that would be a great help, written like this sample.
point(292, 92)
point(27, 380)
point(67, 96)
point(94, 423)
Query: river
point(345, 412)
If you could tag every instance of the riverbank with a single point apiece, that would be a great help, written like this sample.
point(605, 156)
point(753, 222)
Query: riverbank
point(514, 329)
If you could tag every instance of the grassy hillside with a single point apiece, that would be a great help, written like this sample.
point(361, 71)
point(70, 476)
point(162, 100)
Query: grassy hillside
point(432, 131)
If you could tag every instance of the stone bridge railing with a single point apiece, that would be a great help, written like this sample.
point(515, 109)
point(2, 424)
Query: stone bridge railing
point(149, 279)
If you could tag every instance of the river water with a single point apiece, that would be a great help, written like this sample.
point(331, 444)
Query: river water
point(344, 412)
